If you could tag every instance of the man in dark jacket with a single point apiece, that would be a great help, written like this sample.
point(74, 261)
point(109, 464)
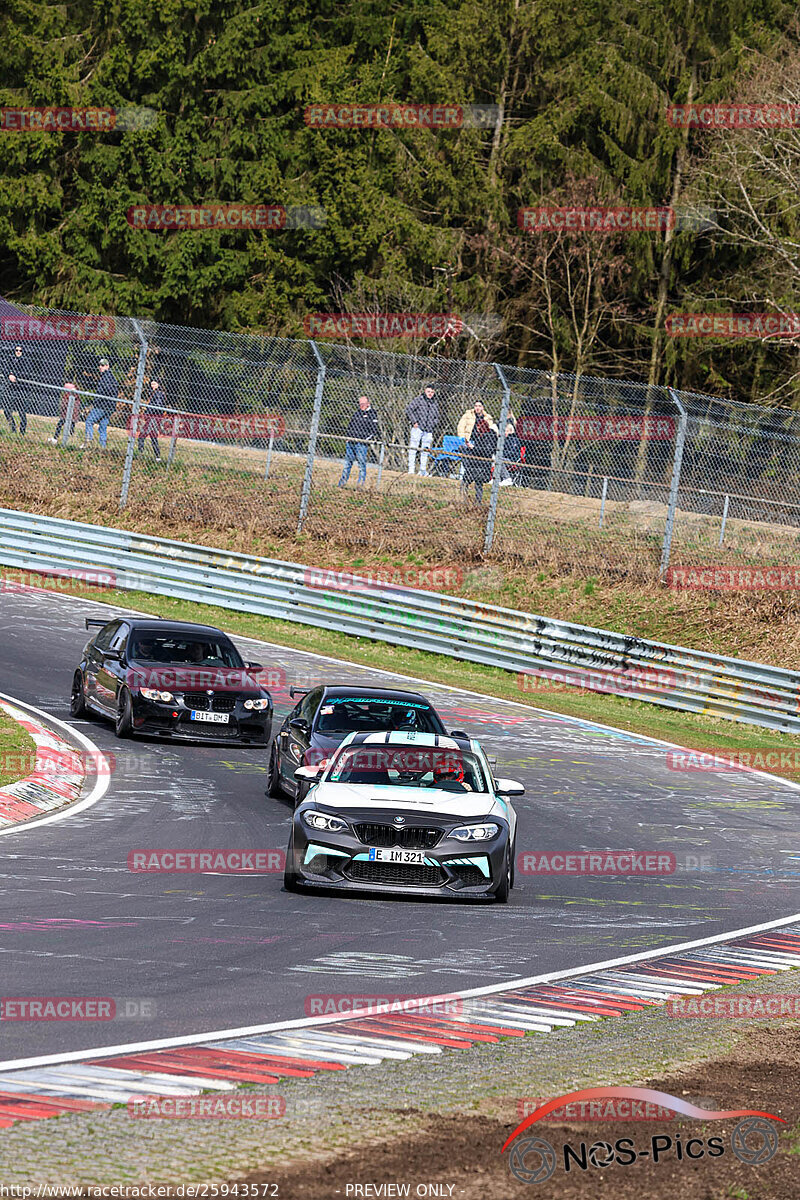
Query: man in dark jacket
point(19, 367)
point(150, 420)
point(105, 404)
point(363, 428)
point(423, 413)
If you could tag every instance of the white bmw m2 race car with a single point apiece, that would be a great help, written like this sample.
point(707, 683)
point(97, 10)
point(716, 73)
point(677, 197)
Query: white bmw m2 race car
point(409, 813)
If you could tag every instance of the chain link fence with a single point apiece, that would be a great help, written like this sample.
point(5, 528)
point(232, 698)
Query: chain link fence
point(239, 440)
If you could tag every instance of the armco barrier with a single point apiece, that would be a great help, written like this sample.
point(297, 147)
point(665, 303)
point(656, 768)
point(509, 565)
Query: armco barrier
point(500, 637)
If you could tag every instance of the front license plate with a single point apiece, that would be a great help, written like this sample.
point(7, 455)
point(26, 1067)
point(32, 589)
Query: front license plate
point(397, 856)
point(214, 718)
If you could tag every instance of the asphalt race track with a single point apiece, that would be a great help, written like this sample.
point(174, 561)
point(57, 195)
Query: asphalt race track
point(223, 951)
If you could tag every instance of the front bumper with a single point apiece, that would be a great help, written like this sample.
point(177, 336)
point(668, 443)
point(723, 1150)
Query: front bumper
point(470, 870)
point(165, 719)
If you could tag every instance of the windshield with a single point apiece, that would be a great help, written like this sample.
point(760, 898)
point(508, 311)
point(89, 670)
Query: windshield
point(409, 766)
point(190, 651)
point(351, 714)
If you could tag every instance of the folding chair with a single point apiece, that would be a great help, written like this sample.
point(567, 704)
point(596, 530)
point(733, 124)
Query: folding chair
point(451, 447)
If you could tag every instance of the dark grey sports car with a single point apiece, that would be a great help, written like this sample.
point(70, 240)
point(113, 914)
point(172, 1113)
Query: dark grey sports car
point(323, 718)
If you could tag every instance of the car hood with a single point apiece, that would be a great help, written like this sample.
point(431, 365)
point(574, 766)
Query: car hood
point(392, 799)
point(326, 741)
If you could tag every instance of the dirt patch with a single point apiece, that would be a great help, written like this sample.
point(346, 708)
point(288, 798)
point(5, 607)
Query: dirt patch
point(462, 1152)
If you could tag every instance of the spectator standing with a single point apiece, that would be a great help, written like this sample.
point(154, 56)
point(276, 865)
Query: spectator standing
point(467, 423)
point(69, 392)
point(478, 457)
point(104, 407)
point(19, 367)
point(512, 452)
point(362, 429)
point(423, 413)
point(150, 424)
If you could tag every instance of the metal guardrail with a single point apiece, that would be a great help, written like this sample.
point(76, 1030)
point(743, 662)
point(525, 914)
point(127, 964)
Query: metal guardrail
point(531, 645)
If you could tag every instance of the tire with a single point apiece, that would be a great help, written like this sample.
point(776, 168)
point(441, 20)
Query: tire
point(77, 698)
point(504, 888)
point(290, 882)
point(302, 791)
point(123, 723)
point(274, 788)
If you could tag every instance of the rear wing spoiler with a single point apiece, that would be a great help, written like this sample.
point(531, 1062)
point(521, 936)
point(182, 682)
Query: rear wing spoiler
point(90, 621)
point(293, 691)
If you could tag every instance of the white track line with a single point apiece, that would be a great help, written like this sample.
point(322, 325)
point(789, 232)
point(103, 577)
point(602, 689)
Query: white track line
point(312, 1023)
point(98, 791)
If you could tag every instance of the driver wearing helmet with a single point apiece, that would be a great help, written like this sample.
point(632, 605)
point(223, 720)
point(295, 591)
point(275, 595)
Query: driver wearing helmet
point(448, 775)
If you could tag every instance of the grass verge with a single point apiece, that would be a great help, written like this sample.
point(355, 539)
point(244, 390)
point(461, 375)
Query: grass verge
point(549, 557)
point(17, 751)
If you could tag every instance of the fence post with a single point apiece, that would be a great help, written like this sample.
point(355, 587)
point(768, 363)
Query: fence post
point(498, 458)
point(69, 418)
point(137, 401)
point(173, 441)
point(683, 421)
point(312, 438)
point(603, 501)
point(724, 518)
point(269, 454)
point(381, 456)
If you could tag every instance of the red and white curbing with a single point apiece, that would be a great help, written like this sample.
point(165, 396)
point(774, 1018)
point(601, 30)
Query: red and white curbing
point(57, 779)
point(144, 1076)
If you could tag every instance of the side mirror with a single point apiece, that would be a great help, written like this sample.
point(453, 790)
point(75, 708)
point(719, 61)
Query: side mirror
point(459, 733)
point(509, 787)
point(300, 724)
point(310, 773)
point(254, 666)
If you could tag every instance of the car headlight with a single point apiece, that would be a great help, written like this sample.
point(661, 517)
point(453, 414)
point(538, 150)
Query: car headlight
point(319, 820)
point(257, 705)
point(154, 694)
point(475, 833)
